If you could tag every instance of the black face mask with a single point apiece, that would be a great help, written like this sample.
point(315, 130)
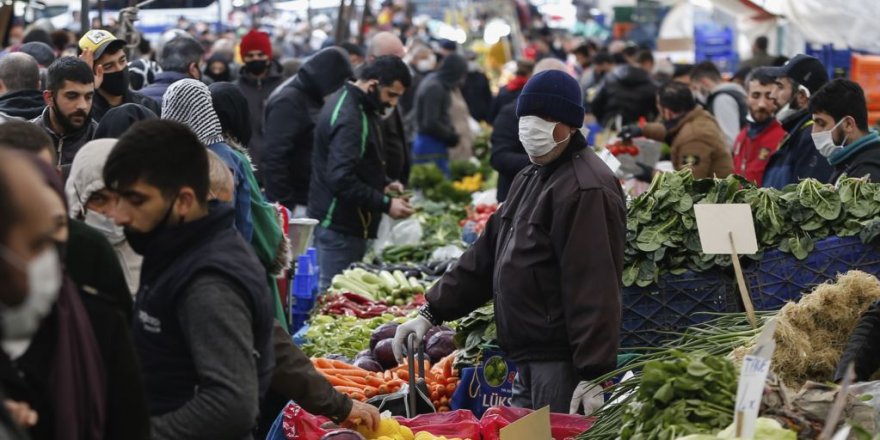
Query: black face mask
point(140, 241)
point(257, 67)
point(116, 83)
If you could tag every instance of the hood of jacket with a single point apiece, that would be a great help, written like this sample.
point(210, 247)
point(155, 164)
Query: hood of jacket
point(189, 102)
point(324, 73)
point(86, 174)
point(698, 123)
point(117, 120)
point(232, 110)
point(629, 76)
point(27, 104)
point(452, 70)
point(275, 74)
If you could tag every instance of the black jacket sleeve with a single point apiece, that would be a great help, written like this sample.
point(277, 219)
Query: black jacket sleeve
point(286, 127)
point(468, 285)
point(348, 137)
point(432, 109)
point(508, 155)
point(296, 379)
point(863, 347)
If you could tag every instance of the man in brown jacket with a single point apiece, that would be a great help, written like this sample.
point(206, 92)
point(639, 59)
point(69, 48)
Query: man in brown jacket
point(692, 133)
point(551, 258)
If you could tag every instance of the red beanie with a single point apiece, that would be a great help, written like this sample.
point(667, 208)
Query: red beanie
point(255, 40)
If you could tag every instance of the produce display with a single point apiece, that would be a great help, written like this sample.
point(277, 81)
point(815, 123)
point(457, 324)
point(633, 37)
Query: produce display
point(473, 333)
point(391, 288)
point(352, 304)
point(479, 215)
point(342, 335)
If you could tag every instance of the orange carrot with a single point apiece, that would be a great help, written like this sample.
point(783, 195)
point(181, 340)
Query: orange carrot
point(337, 380)
point(345, 372)
point(348, 390)
point(358, 396)
point(322, 363)
point(370, 392)
point(343, 365)
point(375, 381)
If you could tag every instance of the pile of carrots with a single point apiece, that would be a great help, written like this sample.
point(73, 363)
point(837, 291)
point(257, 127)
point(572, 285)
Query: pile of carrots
point(360, 384)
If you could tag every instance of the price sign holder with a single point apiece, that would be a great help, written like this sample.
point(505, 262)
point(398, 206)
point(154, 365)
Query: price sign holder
point(753, 376)
point(535, 426)
point(728, 229)
point(837, 408)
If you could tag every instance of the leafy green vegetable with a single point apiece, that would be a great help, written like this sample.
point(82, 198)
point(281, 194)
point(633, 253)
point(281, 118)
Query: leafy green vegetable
point(472, 333)
point(345, 335)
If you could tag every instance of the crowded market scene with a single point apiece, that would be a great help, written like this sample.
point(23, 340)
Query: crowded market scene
point(439, 219)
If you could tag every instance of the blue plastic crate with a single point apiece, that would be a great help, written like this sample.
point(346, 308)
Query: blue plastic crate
point(302, 305)
point(299, 337)
point(780, 277)
point(297, 321)
point(673, 304)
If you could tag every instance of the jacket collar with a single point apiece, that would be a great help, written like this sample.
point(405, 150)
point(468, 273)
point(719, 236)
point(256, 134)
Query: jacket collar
point(175, 241)
point(46, 122)
point(756, 128)
point(796, 120)
point(575, 145)
point(851, 151)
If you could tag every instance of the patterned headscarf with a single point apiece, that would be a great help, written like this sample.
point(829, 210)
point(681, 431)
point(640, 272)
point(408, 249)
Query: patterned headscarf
point(189, 102)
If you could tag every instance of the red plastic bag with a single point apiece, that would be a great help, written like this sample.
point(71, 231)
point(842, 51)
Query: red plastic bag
point(562, 426)
point(299, 424)
point(456, 424)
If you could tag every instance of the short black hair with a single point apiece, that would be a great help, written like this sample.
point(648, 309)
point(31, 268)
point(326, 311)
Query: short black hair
point(583, 49)
point(602, 57)
point(676, 97)
point(761, 43)
point(21, 135)
point(841, 98)
point(352, 49)
point(19, 72)
point(387, 69)
point(37, 34)
point(68, 69)
point(742, 73)
point(179, 53)
point(706, 69)
point(645, 56)
point(162, 153)
point(763, 75)
point(60, 40)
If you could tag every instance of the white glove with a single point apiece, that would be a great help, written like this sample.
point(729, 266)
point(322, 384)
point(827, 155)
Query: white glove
point(590, 395)
point(418, 326)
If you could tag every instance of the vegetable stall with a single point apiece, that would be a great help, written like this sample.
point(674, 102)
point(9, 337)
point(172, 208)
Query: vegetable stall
point(684, 334)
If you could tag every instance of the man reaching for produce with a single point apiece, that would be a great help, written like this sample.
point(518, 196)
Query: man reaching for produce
point(551, 258)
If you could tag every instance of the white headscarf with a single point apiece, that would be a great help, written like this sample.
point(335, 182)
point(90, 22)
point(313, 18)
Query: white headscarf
point(87, 174)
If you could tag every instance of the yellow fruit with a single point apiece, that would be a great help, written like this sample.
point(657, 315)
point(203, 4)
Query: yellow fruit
point(406, 433)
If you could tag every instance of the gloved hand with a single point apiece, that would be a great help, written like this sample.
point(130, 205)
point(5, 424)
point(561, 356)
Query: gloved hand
point(630, 131)
point(418, 326)
point(588, 394)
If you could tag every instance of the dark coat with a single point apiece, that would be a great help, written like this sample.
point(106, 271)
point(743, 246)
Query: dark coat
point(478, 95)
point(156, 89)
point(553, 301)
point(25, 104)
point(434, 98)
point(93, 265)
point(508, 154)
point(257, 92)
point(100, 106)
point(627, 91)
point(797, 157)
point(863, 347)
point(117, 120)
point(346, 192)
point(863, 163)
point(291, 115)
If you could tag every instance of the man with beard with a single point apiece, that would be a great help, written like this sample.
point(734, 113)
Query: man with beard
point(797, 157)
point(759, 139)
point(69, 94)
point(106, 55)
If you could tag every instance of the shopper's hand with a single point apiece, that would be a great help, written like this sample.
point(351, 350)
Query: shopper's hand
point(395, 187)
point(21, 413)
point(418, 326)
point(589, 395)
point(400, 208)
point(363, 414)
point(630, 131)
point(89, 58)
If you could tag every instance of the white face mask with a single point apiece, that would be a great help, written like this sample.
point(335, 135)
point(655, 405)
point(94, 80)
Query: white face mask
point(105, 225)
point(426, 64)
point(536, 135)
point(824, 141)
point(44, 281)
point(786, 111)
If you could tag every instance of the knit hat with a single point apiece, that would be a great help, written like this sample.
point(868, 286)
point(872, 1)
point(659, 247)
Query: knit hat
point(41, 52)
point(553, 94)
point(255, 40)
point(188, 101)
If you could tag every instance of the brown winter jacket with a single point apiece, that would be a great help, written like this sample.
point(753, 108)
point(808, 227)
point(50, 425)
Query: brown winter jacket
point(697, 143)
point(551, 258)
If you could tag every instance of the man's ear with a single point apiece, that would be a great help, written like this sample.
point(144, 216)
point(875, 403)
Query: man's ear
point(47, 97)
point(187, 202)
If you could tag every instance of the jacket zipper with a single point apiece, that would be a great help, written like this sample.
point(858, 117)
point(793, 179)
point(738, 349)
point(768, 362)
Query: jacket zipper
point(60, 149)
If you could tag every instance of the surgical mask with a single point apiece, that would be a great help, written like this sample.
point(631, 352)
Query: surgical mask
point(115, 83)
point(536, 135)
point(824, 141)
point(426, 64)
point(44, 282)
point(788, 110)
point(114, 233)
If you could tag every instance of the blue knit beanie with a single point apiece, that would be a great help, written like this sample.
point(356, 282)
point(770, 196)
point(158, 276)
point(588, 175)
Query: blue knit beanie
point(554, 94)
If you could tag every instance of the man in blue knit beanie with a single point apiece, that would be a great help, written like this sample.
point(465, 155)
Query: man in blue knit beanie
point(551, 258)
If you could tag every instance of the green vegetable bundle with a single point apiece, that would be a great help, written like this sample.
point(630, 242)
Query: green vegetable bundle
point(345, 335)
point(662, 233)
point(472, 333)
point(409, 253)
point(435, 186)
point(688, 394)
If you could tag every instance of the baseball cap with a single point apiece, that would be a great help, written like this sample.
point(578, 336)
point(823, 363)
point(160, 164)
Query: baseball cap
point(806, 70)
point(98, 41)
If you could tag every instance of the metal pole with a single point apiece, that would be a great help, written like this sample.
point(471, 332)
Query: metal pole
point(84, 16)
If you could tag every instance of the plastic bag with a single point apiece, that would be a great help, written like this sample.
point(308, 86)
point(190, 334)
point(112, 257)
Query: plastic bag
point(397, 232)
point(455, 424)
point(448, 252)
point(562, 426)
point(488, 197)
point(490, 384)
point(299, 424)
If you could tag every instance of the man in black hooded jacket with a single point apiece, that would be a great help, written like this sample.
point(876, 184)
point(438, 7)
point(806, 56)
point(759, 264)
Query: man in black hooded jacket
point(19, 86)
point(627, 91)
point(287, 144)
point(434, 130)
